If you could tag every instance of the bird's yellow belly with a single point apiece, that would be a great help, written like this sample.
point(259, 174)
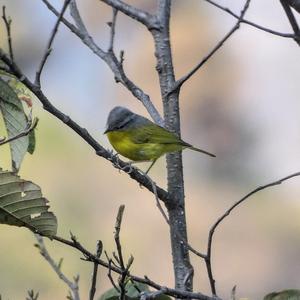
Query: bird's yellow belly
point(122, 143)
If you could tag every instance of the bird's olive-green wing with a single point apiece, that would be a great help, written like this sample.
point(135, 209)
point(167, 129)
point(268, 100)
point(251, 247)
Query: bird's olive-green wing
point(154, 134)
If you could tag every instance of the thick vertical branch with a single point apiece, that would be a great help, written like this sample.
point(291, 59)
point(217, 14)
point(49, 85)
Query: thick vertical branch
point(181, 262)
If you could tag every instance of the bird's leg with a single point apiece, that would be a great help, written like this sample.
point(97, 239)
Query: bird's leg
point(153, 162)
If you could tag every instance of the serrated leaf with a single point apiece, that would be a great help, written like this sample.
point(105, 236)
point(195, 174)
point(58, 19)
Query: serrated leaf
point(133, 291)
point(291, 294)
point(15, 122)
point(22, 204)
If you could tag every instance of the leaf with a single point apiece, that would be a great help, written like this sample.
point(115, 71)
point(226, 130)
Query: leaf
point(15, 121)
point(22, 204)
point(284, 295)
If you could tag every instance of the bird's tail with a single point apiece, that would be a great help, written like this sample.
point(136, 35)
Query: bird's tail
point(202, 151)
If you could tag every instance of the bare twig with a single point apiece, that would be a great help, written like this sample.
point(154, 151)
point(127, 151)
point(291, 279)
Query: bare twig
point(110, 276)
point(49, 45)
point(295, 4)
point(182, 80)
point(292, 20)
point(110, 59)
point(112, 26)
point(73, 286)
point(7, 22)
point(227, 10)
point(223, 216)
point(99, 249)
point(150, 21)
point(32, 295)
point(30, 126)
point(120, 260)
point(77, 18)
point(168, 291)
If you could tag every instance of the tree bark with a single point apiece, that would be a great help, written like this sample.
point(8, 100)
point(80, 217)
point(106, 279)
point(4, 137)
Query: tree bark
point(183, 269)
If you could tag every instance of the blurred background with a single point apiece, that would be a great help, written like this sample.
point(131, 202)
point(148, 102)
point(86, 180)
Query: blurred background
point(243, 105)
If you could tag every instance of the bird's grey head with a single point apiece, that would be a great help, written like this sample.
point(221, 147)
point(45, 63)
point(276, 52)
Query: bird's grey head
point(118, 118)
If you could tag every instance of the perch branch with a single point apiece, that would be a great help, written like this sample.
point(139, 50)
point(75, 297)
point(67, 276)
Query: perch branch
point(82, 132)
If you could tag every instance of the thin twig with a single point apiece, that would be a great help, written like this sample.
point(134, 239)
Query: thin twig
point(149, 20)
point(49, 45)
point(183, 79)
point(294, 4)
point(168, 291)
point(7, 22)
point(77, 18)
point(112, 26)
point(31, 294)
point(99, 249)
point(223, 216)
point(44, 252)
point(292, 20)
point(193, 250)
point(227, 10)
point(122, 279)
point(31, 125)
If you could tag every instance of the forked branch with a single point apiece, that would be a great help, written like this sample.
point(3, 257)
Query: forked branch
point(182, 80)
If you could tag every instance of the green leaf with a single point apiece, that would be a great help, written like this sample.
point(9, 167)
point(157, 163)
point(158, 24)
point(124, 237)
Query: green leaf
point(15, 121)
point(133, 291)
point(284, 295)
point(22, 204)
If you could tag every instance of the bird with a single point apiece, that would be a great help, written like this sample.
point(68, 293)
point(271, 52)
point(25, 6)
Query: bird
point(139, 139)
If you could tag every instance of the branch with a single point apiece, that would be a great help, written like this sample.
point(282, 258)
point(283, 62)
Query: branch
point(227, 10)
point(109, 58)
point(182, 80)
point(227, 213)
point(295, 4)
point(7, 22)
point(73, 286)
point(139, 15)
point(193, 250)
point(49, 45)
point(292, 19)
point(30, 126)
point(168, 291)
point(112, 26)
point(119, 258)
point(99, 249)
point(82, 132)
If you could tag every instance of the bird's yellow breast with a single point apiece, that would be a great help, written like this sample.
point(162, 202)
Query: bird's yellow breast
point(125, 146)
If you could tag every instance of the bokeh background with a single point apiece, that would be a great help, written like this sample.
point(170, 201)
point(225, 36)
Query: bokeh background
point(242, 105)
